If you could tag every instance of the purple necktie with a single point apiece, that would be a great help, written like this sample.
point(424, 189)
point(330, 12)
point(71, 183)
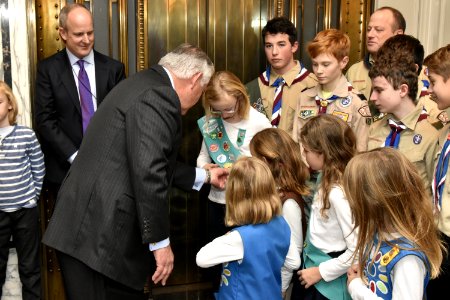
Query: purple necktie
point(84, 87)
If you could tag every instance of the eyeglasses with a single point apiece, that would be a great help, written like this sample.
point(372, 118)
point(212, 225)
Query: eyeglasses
point(224, 111)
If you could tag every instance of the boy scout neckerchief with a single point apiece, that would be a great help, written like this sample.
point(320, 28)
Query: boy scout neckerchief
point(323, 103)
point(393, 139)
point(424, 90)
point(440, 175)
point(279, 84)
point(220, 149)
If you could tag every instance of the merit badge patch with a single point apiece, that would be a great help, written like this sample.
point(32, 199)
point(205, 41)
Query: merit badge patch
point(417, 139)
point(259, 106)
point(307, 113)
point(345, 102)
point(342, 115)
point(221, 158)
point(213, 148)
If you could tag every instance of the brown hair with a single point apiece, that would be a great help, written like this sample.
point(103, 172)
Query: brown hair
point(251, 195)
point(226, 82)
point(330, 41)
point(276, 148)
point(12, 114)
point(438, 62)
point(388, 199)
point(398, 68)
point(328, 135)
point(402, 45)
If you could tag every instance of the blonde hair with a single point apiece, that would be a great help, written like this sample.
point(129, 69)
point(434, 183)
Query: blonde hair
point(251, 195)
point(332, 137)
point(226, 82)
point(282, 154)
point(386, 194)
point(12, 113)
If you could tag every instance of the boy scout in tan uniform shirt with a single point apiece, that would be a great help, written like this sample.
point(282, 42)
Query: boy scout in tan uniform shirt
point(358, 76)
point(348, 106)
point(291, 93)
point(418, 141)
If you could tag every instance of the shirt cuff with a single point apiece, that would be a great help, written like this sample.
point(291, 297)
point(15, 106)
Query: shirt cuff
point(72, 157)
point(159, 245)
point(200, 176)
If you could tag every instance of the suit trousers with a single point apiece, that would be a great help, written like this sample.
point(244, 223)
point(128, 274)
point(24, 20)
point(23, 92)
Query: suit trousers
point(23, 226)
point(82, 282)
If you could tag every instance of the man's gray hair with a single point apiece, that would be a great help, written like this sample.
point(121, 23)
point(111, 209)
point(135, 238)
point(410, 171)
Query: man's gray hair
point(187, 60)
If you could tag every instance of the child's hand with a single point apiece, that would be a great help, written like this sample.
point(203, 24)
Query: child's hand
point(309, 277)
point(352, 273)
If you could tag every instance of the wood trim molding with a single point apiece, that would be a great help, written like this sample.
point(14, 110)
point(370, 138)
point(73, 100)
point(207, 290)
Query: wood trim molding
point(141, 35)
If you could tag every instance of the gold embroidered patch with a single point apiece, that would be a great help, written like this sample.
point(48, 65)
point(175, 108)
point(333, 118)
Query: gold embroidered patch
point(342, 115)
point(385, 259)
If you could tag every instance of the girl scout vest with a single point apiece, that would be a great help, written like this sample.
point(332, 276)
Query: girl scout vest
point(258, 274)
point(217, 142)
point(379, 273)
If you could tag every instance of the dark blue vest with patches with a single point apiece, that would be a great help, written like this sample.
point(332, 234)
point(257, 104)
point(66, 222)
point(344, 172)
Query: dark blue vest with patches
point(258, 274)
point(379, 273)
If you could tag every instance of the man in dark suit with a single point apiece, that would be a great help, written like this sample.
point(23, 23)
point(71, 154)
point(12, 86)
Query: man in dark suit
point(112, 206)
point(58, 113)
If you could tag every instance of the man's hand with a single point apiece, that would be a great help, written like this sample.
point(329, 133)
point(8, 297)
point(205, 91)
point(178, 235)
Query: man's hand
point(164, 264)
point(352, 273)
point(219, 177)
point(309, 276)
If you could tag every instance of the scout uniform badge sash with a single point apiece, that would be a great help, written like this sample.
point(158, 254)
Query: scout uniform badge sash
point(216, 140)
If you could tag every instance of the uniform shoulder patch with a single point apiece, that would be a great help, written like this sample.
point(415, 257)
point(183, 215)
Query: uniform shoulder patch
point(443, 117)
point(365, 111)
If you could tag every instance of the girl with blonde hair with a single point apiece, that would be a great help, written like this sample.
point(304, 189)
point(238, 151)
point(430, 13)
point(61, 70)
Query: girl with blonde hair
point(254, 252)
point(281, 154)
point(329, 144)
point(227, 128)
point(398, 244)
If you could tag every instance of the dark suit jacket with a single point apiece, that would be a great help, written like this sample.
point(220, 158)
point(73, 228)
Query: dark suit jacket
point(57, 109)
point(113, 201)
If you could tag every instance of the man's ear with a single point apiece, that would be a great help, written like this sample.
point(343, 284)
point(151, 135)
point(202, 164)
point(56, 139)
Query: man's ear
point(404, 89)
point(62, 34)
point(196, 78)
